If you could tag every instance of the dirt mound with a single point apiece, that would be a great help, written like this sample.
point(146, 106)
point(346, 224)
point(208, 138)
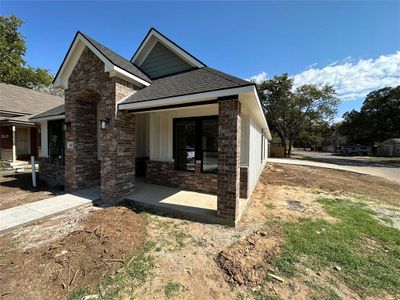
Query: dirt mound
point(245, 263)
point(108, 239)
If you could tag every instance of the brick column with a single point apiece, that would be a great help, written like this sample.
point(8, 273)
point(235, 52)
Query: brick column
point(228, 158)
point(118, 149)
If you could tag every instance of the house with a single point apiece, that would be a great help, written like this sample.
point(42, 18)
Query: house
point(19, 136)
point(164, 113)
point(354, 149)
point(390, 147)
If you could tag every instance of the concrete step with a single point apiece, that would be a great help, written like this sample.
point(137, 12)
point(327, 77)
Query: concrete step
point(18, 163)
point(25, 168)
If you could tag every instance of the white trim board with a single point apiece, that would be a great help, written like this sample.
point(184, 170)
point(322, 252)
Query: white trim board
point(49, 118)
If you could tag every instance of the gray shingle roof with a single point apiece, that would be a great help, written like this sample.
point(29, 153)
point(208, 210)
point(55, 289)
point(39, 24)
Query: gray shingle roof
point(191, 82)
point(26, 101)
point(56, 111)
point(117, 59)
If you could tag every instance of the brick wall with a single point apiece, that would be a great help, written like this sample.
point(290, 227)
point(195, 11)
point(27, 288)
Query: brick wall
point(51, 173)
point(229, 123)
point(89, 86)
point(164, 173)
point(244, 189)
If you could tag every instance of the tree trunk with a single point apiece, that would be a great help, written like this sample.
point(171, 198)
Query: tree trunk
point(283, 141)
point(290, 146)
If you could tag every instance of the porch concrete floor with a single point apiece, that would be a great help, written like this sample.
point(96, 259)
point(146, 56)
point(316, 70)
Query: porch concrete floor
point(179, 202)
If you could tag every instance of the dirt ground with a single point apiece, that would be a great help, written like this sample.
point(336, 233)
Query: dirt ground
point(16, 189)
point(100, 243)
point(334, 181)
point(192, 260)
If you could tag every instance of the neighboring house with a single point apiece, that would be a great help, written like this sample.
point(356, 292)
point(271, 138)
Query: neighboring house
point(390, 147)
point(354, 149)
point(18, 134)
point(164, 114)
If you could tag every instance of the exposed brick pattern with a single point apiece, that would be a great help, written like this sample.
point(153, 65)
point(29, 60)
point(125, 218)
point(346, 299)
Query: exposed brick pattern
point(229, 123)
point(89, 86)
point(163, 172)
point(52, 174)
point(244, 189)
point(118, 154)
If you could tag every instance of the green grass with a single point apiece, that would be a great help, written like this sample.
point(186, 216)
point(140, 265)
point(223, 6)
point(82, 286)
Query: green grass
point(181, 239)
point(321, 245)
point(384, 160)
point(172, 289)
point(270, 205)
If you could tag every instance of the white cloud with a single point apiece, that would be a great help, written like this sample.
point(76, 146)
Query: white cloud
point(355, 79)
point(311, 66)
point(258, 78)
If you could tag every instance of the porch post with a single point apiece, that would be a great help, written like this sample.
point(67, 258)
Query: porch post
point(14, 147)
point(229, 123)
point(118, 149)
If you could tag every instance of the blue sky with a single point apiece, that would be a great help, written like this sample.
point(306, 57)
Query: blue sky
point(353, 45)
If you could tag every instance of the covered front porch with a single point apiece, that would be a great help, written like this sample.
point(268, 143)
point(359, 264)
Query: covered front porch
point(18, 141)
point(178, 202)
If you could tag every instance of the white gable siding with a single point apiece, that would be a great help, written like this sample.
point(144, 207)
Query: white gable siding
point(162, 61)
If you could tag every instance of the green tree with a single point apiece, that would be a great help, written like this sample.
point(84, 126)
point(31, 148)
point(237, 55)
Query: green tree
point(289, 110)
point(13, 68)
point(378, 119)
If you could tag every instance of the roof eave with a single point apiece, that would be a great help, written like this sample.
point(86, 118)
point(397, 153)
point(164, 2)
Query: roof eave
point(181, 99)
point(73, 54)
point(47, 118)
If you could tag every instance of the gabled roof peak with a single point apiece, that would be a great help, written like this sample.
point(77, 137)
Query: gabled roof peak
point(113, 62)
point(152, 37)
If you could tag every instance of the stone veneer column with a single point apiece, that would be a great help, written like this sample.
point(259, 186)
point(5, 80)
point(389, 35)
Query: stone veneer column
point(118, 148)
point(229, 123)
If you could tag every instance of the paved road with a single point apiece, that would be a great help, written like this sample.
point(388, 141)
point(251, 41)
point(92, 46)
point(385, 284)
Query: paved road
point(353, 164)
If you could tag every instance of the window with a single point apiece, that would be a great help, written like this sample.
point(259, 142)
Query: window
point(56, 141)
point(196, 139)
point(209, 134)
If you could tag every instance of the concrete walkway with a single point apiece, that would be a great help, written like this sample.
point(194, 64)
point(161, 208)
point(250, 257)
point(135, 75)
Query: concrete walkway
point(392, 174)
point(31, 212)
